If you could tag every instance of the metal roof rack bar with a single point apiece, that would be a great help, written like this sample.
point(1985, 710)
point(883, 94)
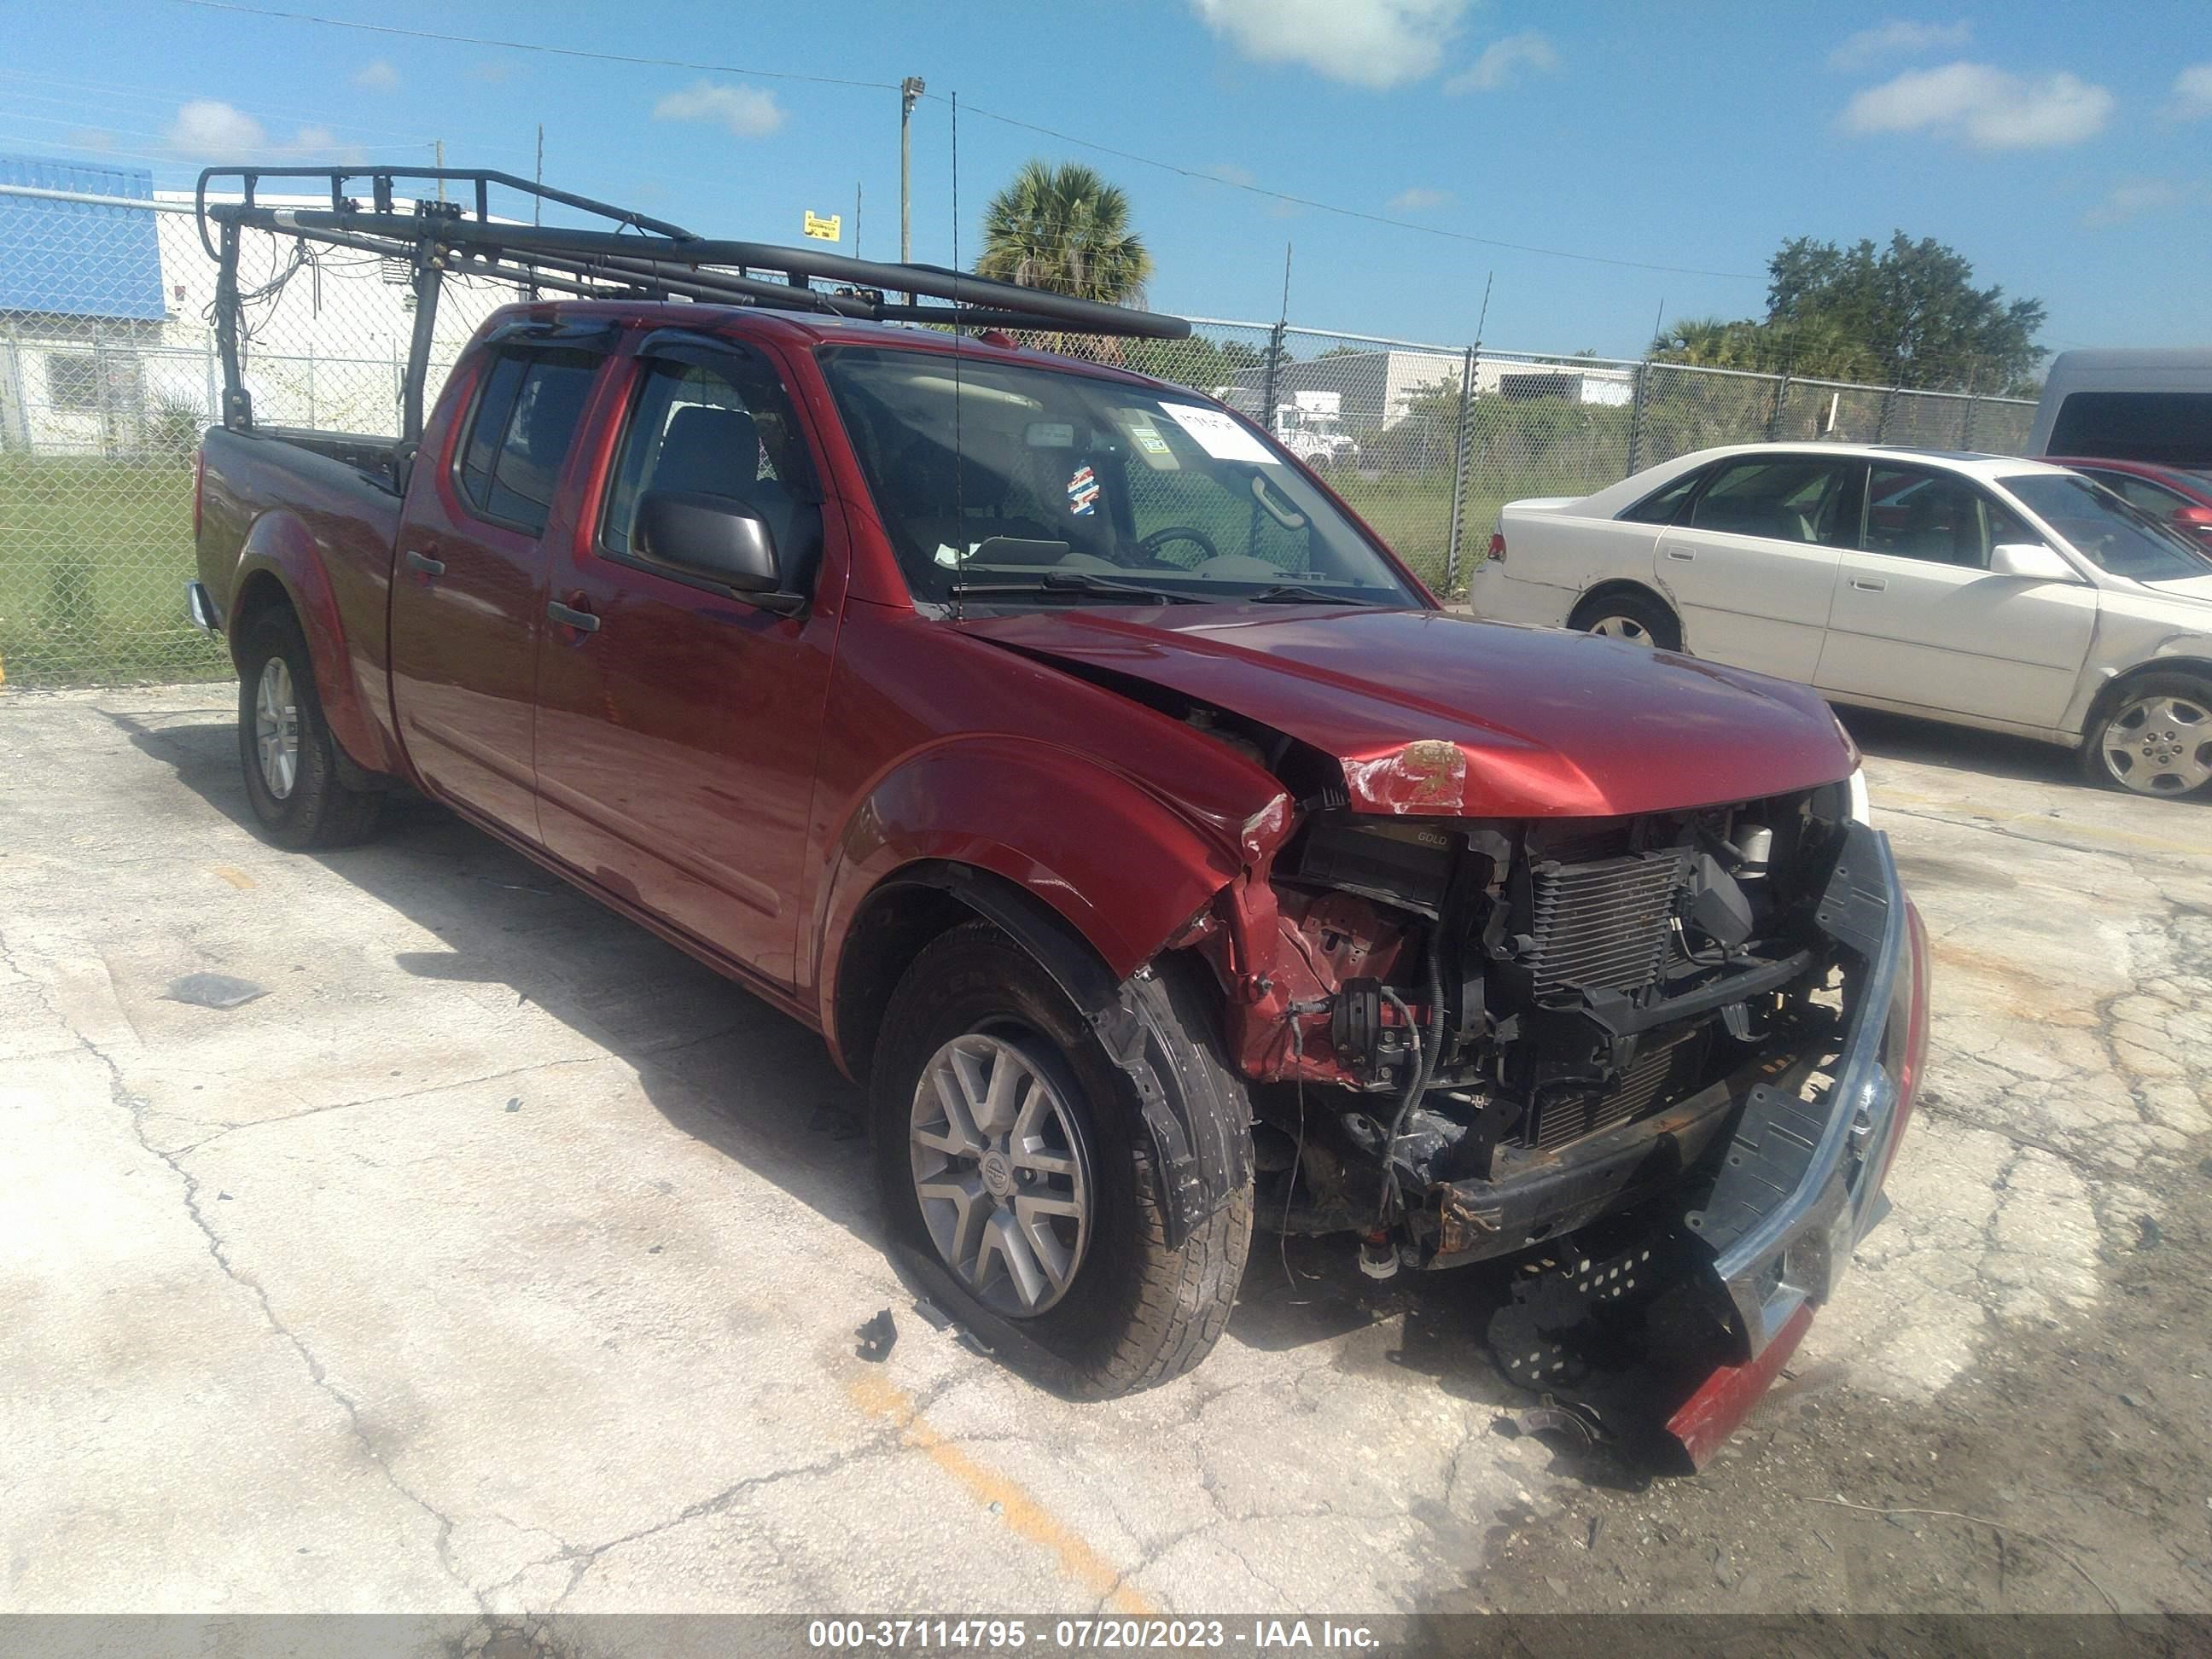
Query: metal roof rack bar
point(653, 255)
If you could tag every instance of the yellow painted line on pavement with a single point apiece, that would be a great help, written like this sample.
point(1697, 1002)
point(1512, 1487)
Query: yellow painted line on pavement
point(237, 878)
point(1022, 1514)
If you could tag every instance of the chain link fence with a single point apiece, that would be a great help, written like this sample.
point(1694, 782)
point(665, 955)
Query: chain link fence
point(108, 374)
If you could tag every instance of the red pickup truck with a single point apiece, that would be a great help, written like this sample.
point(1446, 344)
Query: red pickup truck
point(1135, 827)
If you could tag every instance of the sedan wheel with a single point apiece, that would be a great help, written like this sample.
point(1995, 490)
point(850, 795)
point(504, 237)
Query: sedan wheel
point(2160, 745)
point(1001, 1172)
point(1622, 628)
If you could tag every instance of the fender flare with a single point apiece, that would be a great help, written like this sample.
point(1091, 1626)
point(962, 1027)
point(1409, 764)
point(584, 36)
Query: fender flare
point(1040, 883)
point(281, 548)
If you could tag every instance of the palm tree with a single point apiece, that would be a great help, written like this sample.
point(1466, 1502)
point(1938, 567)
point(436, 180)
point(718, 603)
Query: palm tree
point(1066, 229)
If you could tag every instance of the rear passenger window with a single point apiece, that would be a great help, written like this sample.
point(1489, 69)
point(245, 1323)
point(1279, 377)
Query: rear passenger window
point(525, 415)
point(1784, 498)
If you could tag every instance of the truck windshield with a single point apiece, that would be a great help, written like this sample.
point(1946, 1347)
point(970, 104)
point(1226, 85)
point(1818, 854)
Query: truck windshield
point(2111, 533)
point(1014, 483)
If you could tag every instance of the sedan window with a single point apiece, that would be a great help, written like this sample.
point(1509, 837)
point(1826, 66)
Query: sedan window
point(1936, 517)
point(1789, 498)
point(2114, 536)
point(2141, 492)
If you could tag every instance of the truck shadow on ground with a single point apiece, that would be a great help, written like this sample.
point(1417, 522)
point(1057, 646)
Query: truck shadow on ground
point(758, 1087)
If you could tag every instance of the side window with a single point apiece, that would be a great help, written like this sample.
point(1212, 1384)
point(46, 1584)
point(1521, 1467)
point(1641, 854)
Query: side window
point(1934, 516)
point(1787, 498)
point(720, 427)
point(1664, 506)
point(525, 415)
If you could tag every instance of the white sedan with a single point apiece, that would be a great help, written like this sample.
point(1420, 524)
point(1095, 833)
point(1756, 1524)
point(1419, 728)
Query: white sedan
point(1990, 592)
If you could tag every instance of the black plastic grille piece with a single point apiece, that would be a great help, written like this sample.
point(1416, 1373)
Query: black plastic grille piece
point(1603, 925)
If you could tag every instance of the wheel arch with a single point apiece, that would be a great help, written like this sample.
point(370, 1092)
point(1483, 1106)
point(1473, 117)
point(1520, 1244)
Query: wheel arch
point(2118, 685)
point(1616, 587)
point(281, 565)
point(1195, 1118)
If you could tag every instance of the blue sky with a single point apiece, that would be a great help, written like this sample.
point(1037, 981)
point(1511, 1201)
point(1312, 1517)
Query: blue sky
point(2065, 148)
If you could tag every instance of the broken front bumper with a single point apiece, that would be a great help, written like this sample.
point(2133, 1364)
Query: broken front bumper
point(1801, 1181)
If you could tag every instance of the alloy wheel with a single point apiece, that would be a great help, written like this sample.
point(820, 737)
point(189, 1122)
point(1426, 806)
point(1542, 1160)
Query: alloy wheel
point(276, 728)
point(2160, 745)
point(1000, 1171)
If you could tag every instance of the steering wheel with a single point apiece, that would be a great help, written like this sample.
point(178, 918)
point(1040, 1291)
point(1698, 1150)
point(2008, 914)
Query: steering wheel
point(1150, 546)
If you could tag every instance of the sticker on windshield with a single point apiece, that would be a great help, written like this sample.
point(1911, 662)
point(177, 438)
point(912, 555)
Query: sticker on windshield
point(1219, 435)
point(1051, 435)
point(1083, 492)
point(1152, 449)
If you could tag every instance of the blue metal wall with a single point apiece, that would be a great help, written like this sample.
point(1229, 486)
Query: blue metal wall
point(73, 259)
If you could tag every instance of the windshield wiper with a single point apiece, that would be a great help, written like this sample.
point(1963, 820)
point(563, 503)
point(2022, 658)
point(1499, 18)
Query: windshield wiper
point(1292, 593)
point(1072, 582)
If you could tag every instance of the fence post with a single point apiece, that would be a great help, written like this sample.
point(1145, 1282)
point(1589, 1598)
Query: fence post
point(1461, 438)
point(1774, 413)
point(1888, 413)
point(1974, 408)
point(1267, 382)
point(15, 395)
point(214, 400)
point(1635, 401)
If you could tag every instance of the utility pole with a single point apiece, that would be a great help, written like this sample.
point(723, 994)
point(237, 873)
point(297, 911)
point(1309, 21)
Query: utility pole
point(441, 167)
point(910, 91)
point(537, 202)
point(856, 218)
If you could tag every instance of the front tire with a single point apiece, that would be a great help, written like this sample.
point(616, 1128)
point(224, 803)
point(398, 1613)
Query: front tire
point(2153, 738)
point(1638, 618)
point(294, 780)
point(1008, 1146)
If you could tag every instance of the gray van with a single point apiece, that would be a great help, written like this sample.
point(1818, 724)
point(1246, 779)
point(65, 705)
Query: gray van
point(2152, 406)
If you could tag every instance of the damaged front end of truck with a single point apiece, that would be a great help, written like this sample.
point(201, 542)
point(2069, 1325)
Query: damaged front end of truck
point(1661, 1059)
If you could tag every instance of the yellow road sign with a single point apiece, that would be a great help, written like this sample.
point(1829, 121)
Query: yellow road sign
point(825, 230)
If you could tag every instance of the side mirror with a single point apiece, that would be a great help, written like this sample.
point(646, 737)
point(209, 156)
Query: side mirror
point(2030, 562)
point(2193, 520)
point(709, 536)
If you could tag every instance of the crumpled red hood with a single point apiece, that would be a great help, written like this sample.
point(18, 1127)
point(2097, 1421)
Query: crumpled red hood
point(1435, 713)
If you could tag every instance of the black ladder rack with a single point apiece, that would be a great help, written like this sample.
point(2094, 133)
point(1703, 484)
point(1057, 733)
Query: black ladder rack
point(633, 257)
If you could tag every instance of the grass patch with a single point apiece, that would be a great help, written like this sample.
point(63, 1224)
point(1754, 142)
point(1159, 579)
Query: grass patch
point(93, 559)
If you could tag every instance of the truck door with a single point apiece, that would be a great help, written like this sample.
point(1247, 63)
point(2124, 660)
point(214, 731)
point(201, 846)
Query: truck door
point(677, 720)
point(468, 595)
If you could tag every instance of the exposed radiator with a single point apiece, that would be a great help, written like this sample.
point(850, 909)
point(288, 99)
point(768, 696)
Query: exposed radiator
point(1604, 924)
point(1567, 1118)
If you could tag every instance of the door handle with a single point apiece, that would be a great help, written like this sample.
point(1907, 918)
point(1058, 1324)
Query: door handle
point(1869, 584)
point(582, 621)
point(425, 563)
point(1684, 553)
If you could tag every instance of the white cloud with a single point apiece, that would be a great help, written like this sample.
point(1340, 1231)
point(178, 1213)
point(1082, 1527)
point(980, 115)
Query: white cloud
point(746, 111)
point(1502, 59)
point(1899, 40)
point(377, 75)
point(1230, 173)
point(92, 138)
point(1983, 107)
point(1369, 43)
point(2192, 92)
point(214, 130)
point(1418, 199)
point(2130, 198)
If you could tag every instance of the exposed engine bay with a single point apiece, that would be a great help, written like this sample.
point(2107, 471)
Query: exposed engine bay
point(1481, 1034)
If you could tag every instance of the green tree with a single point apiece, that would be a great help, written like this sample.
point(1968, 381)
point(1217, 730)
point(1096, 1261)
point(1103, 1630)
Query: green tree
point(1065, 229)
point(1906, 314)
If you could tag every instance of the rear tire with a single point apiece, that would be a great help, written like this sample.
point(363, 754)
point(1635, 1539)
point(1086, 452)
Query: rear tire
point(2153, 738)
point(293, 778)
point(1124, 1310)
point(1638, 618)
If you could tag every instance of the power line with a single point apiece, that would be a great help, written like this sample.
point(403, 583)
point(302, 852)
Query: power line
point(1307, 202)
point(532, 46)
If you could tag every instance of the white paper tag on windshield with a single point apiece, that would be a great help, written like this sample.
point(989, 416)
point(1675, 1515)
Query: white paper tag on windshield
point(1219, 435)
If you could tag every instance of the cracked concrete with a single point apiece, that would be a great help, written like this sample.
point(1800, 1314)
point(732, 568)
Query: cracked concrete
point(500, 1261)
